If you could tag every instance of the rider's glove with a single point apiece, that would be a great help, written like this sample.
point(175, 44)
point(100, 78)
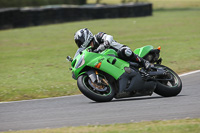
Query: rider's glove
point(103, 46)
point(106, 44)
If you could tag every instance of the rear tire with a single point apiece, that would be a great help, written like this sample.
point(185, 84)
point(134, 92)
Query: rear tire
point(105, 95)
point(169, 88)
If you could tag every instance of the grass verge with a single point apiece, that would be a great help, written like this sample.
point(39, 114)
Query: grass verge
point(32, 60)
point(170, 126)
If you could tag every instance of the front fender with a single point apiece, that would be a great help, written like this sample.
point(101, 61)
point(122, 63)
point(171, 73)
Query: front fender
point(91, 74)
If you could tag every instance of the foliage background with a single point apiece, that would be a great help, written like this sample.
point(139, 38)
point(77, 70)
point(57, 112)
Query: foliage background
point(22, 3)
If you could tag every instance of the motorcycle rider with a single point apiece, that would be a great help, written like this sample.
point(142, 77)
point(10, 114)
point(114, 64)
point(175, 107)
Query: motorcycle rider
point(101, 41)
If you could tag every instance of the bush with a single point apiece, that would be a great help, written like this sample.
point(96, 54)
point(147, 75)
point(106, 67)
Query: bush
point(23, 3)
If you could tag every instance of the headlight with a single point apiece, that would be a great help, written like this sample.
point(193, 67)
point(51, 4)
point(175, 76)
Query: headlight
point(80, 62)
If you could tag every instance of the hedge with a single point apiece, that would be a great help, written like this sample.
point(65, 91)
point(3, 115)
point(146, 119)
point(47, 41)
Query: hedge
point(23, 3)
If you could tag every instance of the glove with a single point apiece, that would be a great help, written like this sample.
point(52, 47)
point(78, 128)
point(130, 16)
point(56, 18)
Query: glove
point(106, 44)
point(103, 46)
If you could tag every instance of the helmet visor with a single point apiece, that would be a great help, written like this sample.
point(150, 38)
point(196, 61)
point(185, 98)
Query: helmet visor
point(78, 43)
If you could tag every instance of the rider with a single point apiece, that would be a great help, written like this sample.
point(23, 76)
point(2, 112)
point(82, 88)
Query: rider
point(102, 41)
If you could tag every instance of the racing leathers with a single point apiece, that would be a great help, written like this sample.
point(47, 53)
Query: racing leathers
point(103, 41)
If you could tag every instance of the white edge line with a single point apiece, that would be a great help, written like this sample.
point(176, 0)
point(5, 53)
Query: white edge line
point(184, 74)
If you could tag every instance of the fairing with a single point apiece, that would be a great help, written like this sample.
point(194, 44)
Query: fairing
point(143, 50)
point(109, 63)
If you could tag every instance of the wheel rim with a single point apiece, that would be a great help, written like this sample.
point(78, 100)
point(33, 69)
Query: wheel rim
point(174, 82)
point(102, 90)
point(170, 75)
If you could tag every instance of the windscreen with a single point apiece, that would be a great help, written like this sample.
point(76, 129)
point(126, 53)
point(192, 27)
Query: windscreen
point(78, 52)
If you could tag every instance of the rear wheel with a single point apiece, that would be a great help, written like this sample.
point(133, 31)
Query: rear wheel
point(170, 84)
point(99, 92)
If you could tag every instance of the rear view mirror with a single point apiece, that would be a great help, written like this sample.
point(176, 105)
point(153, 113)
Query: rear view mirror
point(69, 58)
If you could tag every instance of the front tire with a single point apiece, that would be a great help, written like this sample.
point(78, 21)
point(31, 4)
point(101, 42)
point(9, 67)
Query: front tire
point(93, 91)
point(168, 88)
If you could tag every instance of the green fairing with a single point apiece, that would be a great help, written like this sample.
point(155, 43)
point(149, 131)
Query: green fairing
point(106, 58)
point(141, 52)
point(109, 52)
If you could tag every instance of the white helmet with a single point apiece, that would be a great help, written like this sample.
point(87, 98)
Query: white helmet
point(83, 37)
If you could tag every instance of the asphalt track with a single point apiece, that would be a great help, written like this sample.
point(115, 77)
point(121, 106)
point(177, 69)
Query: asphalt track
point(78, 110)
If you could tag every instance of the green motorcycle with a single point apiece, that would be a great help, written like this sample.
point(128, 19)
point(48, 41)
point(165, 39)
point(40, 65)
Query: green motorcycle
point(102, 76)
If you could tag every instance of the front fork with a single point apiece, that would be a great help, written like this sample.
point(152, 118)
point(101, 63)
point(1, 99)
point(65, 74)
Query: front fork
point(94, 76)
point(105, 82)
point(97, 76)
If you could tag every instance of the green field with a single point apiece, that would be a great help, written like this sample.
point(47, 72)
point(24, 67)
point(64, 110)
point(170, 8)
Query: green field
point(32, 60)
point(172, 126)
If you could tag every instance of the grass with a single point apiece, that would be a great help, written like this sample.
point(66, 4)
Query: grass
point(32, 60)
point(171, 126)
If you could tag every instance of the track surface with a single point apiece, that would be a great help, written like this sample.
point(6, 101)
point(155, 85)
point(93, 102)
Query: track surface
point(78, 110)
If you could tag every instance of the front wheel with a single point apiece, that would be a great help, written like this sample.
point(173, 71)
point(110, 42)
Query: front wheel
point(99, 92)
point(170, 84)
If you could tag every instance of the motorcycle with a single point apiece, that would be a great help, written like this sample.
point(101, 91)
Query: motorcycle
point(102, 76)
